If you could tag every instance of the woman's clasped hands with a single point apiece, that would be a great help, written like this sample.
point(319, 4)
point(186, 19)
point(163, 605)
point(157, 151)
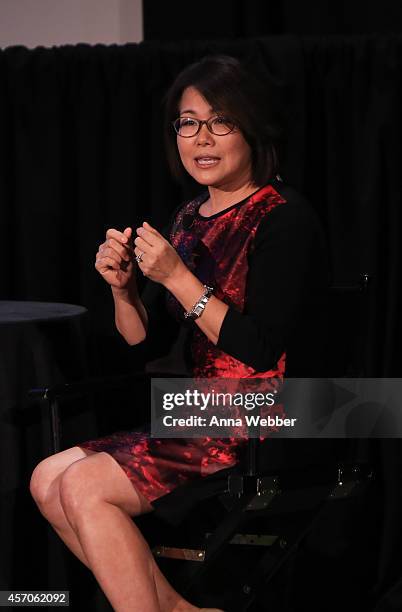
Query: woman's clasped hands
point(117, 256)
point(159, 261)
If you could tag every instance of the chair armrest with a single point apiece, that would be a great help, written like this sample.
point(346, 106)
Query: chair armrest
point(91, 385)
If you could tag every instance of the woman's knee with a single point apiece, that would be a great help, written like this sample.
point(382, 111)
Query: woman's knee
point(42, 482)
point(80, 488)
point(45, 477)
point(85, 485)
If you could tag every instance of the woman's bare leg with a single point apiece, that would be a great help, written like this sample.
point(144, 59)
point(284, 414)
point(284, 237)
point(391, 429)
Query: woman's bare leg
point(169, 599)
point(48, 501)
point(44, 486)
point(66, 533)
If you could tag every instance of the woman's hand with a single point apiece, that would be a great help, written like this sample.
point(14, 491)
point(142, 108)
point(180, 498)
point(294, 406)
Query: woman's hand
point(114, 259)
point(159, 260)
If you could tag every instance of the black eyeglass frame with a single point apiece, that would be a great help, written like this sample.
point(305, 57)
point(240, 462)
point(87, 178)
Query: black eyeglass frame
point(201, 123)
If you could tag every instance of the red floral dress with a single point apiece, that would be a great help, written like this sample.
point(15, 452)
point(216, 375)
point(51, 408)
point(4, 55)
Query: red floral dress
point(217, 250)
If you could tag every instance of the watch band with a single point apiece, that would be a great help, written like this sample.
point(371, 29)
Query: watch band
point(199, 306)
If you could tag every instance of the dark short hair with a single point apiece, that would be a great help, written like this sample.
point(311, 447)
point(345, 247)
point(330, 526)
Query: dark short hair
point(233, 89)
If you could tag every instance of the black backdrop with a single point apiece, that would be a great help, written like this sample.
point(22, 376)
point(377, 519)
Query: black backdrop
point(81, 150)
point(176, 20)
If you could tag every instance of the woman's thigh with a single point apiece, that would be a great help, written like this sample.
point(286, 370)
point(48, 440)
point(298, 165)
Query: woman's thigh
point(99, 478)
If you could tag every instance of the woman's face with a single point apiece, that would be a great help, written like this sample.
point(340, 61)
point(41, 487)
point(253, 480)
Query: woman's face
point(223, 162)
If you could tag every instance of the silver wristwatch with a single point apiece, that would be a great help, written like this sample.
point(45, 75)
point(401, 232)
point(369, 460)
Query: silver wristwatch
point(199, 306)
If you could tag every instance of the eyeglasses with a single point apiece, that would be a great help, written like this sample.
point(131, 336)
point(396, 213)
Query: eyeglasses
point(188, 127)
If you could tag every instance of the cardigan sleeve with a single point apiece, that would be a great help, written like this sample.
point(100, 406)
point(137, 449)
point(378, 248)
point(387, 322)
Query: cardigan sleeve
point(287, 270)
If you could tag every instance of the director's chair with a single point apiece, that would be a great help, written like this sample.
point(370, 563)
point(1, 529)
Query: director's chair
point(258, 510)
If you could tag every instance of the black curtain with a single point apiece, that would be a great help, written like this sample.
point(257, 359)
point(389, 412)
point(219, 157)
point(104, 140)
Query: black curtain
point(176, 20)
point(81, 150)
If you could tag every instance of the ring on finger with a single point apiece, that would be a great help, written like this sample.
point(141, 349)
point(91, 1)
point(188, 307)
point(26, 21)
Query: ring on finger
point(138, 258)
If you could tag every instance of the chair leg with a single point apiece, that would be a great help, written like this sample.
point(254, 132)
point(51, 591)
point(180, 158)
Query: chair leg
point(218, 539)
point(54, 425)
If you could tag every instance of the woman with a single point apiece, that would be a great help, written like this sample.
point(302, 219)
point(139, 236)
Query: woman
point(239, 267)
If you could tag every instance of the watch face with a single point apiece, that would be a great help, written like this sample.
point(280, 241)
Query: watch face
point(197, 310)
